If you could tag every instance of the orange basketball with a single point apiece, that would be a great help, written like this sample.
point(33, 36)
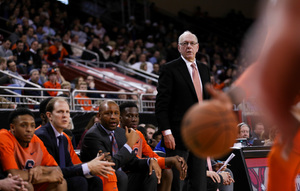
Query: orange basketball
point(209, 129)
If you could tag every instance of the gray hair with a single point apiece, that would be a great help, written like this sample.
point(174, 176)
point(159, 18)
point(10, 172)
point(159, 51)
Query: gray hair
point(185, 33)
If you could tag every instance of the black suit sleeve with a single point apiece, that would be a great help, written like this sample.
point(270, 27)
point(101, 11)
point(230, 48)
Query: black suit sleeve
point(164, 98)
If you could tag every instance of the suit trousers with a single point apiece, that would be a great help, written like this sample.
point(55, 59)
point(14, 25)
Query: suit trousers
point(196, 174)
point(142, 181)
point(80, 183)
point(122, 180)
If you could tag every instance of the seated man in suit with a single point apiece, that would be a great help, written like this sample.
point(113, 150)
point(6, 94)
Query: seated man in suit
point(78, 177)
point(142, 174)
point(130, 118)
point(24, 154)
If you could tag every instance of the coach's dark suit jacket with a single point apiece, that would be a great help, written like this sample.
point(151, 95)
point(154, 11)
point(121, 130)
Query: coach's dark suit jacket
point(97, 139)
point(46, 134)
point(176, 94)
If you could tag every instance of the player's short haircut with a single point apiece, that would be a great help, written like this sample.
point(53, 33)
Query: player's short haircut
point(127, 104)
point(17, 112)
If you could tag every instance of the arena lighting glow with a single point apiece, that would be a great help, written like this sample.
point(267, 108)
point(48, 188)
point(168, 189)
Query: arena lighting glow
point(66, 2)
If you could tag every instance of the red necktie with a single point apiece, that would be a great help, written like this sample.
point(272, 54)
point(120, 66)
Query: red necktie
point(196, 82)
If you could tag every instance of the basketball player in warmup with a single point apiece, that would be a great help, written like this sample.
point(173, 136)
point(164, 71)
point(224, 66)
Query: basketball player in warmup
point(129, 117)
point(274, 81)
point(24, 154)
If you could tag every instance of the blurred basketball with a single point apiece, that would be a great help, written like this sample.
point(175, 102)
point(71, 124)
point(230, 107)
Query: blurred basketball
point(209, 129)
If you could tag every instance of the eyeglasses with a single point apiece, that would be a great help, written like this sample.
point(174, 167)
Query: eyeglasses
point(187, 43)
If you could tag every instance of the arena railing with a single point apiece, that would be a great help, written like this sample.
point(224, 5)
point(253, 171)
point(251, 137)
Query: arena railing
point(124, 70)
point(33, 102)
point(27, 100)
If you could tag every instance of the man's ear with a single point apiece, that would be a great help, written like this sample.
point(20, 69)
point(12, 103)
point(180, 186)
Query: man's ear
point(12, 127)
point(48, 114)
point(98, 115)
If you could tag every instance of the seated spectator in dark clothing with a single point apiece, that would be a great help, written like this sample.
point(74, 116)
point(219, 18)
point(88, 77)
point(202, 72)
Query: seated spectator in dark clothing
point(87, 55)
point(4, 79)
point(34, 78)
point(20, 57)
point(91, 86)
point(34, 60)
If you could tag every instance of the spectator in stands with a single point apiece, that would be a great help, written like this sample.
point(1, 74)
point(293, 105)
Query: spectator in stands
point(99, 30)
point(258, 131)
point(48, 31)
point(85, 103)
point(16, 35)
point(41, 37)
point(91, 86)
point(5, 51)
point(129, 117)
point(156, 69)
point(12, 69)
point(22, 153)
point(124, 61)
point(77, 81)
point(87, 55)
point(4, 79)
point(5, 104)
point(20, 57)
point(34, 60)
point(222, 180)
point(77, 174)
point(24, 40)
point(59, 76)
point(150, 130)
point(65, 86)
point(31, 36)
point(34, 78)
point(66, 41)
point(52, 83)
point(140, 174)
point(244, 130)
point(44, 73)
point(157, 136)
point(77, 49)
point(56, 52)
point(142, 60)
point(12, 183)
point(172, 51)
point(77, 31)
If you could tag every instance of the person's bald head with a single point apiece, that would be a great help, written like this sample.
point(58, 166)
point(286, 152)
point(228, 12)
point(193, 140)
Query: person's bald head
point(109, 114)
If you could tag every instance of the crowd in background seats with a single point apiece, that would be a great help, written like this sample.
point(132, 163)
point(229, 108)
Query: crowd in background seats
point(46, 31)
